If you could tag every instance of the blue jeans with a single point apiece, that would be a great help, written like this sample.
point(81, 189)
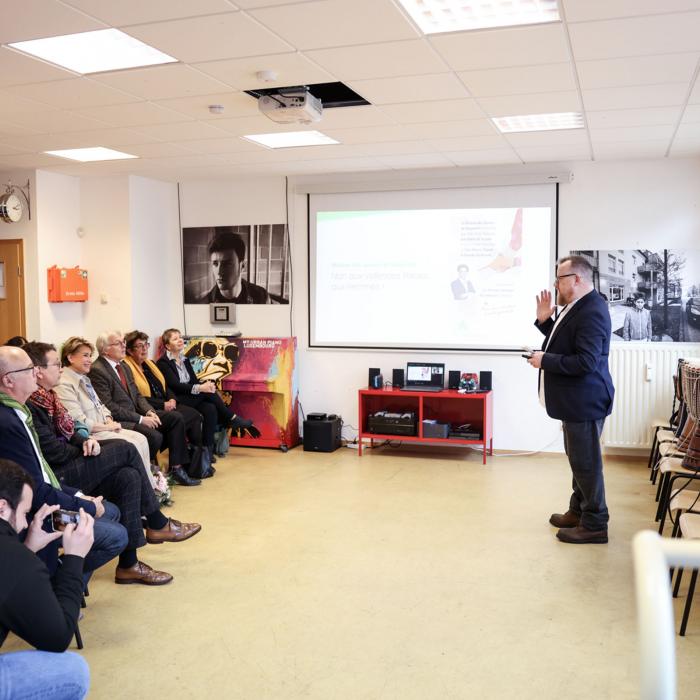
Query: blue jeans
point(42, 675)
point(582, 445)
point(110, 540)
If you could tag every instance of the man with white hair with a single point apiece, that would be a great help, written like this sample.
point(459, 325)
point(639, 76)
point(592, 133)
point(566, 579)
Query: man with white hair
point(114, 383)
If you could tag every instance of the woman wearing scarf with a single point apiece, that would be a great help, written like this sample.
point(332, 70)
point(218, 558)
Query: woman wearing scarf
point(77, 394)
point(151, 384)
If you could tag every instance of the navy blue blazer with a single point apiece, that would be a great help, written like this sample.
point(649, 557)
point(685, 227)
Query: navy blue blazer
point(172, 378)
point(16, 445)
point(578, 385)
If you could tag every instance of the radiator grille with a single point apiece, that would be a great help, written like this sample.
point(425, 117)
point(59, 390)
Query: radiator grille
point(638, 402)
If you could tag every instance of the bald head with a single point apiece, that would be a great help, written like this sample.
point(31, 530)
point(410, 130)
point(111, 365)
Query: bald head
point(17, 376)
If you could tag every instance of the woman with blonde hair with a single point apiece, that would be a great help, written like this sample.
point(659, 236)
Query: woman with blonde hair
point(80, 399)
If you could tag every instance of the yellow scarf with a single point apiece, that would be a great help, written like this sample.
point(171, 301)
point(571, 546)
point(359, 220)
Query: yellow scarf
point(140, 378)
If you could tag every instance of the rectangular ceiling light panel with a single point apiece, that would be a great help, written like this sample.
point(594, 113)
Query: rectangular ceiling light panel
point(437, 16)
point(539, 122)
point(291, 139)
point(85, 155)
point(94, 52)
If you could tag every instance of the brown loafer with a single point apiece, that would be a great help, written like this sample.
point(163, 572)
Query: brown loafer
point(174, 531)
point(142, 573)
point(580, 535)
point(568, 519)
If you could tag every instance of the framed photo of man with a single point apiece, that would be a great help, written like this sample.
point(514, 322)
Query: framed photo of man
point(246, 264)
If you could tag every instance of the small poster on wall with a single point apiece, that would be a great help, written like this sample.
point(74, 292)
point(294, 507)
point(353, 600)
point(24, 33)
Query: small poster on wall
point(653, 295)
point(246, 264)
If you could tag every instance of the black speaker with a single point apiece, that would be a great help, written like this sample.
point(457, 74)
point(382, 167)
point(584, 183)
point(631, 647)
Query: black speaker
point(322, 435)
point(453, 379)
point(397, 378)
point(485, 381)
point(373, 372)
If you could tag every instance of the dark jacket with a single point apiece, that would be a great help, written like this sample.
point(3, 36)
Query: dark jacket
point(56, 450)
point(578, 385)
point(42, 614)
point(16, 445)
point(126, 407)
point(172, 378)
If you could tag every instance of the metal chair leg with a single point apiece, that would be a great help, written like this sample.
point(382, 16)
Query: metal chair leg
point(78, 637)
point(677, 587)
point(688, 602)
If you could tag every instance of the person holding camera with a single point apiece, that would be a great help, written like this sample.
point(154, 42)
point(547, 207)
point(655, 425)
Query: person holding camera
point(40, 610)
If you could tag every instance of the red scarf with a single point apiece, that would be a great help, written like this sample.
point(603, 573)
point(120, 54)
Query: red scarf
point(48, 400)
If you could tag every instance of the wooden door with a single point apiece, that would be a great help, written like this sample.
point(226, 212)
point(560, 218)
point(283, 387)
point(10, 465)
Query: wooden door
point(12, 320)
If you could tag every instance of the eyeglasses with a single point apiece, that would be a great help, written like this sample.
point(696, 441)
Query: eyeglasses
point(141, 346)
point(50, 364)
point(31, 368)
point(561, 277)
point(117, 342)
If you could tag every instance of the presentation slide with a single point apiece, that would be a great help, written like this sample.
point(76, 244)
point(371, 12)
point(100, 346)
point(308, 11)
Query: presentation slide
point(430, 277)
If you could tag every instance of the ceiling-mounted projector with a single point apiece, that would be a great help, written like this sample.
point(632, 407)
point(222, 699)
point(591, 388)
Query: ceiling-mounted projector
point(297, 106)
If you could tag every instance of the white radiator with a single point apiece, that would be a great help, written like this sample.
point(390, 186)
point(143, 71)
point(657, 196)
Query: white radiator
point(643, 378)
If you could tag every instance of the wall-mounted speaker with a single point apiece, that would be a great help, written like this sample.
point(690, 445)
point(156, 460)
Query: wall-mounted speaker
point(485, 381)
point(373, 372)
point(397, 378)
point(453, 379)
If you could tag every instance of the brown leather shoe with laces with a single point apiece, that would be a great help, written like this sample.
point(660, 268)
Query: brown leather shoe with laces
point(568, 519)
point(580, 535)
point(174, 531)
point(142, 573)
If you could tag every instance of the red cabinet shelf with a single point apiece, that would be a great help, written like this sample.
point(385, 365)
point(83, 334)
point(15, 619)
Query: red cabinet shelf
point(447, 406)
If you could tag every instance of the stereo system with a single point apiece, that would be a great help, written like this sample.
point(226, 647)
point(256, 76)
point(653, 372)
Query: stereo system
point(397, 380)
point(388, 423)
point(485, 381)
point(453, 379)
point(376, 381)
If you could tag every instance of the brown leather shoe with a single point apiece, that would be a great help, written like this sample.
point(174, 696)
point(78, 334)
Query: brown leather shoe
point(142, 573)
point(580, 535)
point(174, 531)
point(568, 519)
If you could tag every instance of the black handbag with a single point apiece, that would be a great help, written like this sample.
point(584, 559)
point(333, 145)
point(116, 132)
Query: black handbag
point(200, 463)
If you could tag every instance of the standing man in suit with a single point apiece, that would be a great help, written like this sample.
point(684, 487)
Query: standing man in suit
point(575, 387)
point(114, 383)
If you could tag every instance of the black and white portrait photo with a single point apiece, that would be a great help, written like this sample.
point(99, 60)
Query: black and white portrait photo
point(652, 295)
point(236, 264)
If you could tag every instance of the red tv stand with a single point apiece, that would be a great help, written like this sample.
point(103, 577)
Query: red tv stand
point(447, 406)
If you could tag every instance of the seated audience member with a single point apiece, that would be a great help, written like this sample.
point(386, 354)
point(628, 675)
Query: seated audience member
point(19, 443)
point(84, 406)
point(41, 611)
point(150, 383)
point(16, 341)
point(114, 384)
point(181, 379)
point(112, 469)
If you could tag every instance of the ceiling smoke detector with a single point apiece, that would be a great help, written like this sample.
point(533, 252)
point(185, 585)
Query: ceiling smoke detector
point(216, 109)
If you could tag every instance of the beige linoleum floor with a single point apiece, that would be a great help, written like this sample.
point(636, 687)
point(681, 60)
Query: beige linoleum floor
point(411, 573)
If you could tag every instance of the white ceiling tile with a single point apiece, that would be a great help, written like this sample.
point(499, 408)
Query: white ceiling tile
point(553, 77)
point(181, 132)
point(56, 121)
point(454, 129)
point(158, 150)
point(394, 147)
point(291, 69)
point(500, 48)
point(632, 133)
point(17, 68)
point(231, 144)
point(210, 38)
point(9, 150)
point(390, 59)
point(691, 114)
point(549, 154)
point(258, 124)
point(550, 139)
point(325, 23)
point(441, 86)
point(635, 97)
point(583, 10)
point(416, 160)
point(688, 131)
point(11, 103)
point(352, 117)
point(110, 138)
point(162, 82)
point(468, 143)
point(369, 134)
point(637, 36)
point(433, 111)
point(254, 4)
point(235, 104)
point(135, 114)
point(633, 117)
point(75, 93)
point(127, 12)
point(542, 103)
point(686, 146)
point(637, 70)
point(486, 156)
point(630, 150)
point(35, 19)
point(32, 160)
point(695, 94)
